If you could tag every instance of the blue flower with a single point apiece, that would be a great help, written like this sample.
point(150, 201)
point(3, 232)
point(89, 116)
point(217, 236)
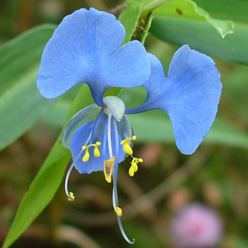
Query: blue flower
point(86, 48)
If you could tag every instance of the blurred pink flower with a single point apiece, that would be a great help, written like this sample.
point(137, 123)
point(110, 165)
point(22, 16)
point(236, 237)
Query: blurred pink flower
point(196, 226)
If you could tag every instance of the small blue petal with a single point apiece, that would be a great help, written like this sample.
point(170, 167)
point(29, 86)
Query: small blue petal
point(81, 137)
point(84, 48)
point(190, 95)
point(82, 117)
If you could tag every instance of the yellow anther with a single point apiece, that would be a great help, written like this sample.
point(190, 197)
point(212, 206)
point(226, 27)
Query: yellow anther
point(108, 169)
point(86, 156)
point(97, 154)
point(71, 197)
point(127, 148)
point(131, 171)
point(137, 160)
point(118, 211)
point(134, 166)
point(126, 145)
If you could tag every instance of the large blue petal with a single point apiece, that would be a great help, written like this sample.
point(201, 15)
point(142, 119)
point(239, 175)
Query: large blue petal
point(84, 49)
point(190, 95)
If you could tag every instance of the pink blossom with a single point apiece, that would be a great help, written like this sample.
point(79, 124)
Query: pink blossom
point(196, 226)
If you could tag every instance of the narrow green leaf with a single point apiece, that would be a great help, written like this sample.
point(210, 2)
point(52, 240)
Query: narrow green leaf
point(136, 25)
point(47, 180)
point(129, 19)
point(20, 102)
point(40, 193)
point(145, 31)
point(186, 9)
point(202, 37)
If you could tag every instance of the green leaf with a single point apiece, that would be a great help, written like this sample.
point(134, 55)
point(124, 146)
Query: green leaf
point(146, 28)
point(21, 105)
point(129, 19)
point(40, 193)
point(235, 10)
point(47, 180)
point(186, 9)
point(202, 37)
point(136, 25)
point(57, 115)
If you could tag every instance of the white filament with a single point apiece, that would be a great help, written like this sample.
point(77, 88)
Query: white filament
point(115, 193)
point(109, 136)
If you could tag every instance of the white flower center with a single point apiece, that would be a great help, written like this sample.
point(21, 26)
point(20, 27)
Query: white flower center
point(115, 107)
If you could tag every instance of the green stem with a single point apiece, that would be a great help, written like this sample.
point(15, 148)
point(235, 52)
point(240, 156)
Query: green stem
point(155, 4)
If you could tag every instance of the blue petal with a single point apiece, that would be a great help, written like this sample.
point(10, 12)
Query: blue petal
point(84, 49)
point(82, 117)
point(79, 138)
point(190, 95)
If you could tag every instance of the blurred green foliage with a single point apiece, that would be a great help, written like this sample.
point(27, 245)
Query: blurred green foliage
point(215, 175)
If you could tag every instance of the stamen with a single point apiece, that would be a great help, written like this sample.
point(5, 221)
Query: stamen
point(131, 171)
point(134, 166)
point(96, 150)
point(126, 145)
point(86, 156)
point(118, 211)
point(108, 169)
point(71, 197)
point(97, 154)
